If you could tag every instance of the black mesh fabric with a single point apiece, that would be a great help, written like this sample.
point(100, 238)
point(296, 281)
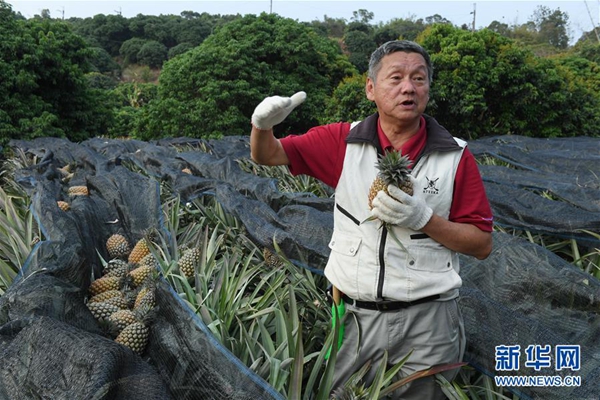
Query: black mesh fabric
point(51, 346)
point(566, 169)
point(522, 294)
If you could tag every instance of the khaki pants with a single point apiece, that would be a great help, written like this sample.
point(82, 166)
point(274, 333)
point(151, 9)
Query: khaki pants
point(433, 330)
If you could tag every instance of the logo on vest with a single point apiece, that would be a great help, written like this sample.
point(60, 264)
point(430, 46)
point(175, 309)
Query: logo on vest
point(431, 189)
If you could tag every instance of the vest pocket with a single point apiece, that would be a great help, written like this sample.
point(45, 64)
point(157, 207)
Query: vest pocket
point(345, 245)
point(429, 259)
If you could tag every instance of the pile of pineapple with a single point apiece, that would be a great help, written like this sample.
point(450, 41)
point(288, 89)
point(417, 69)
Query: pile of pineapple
point(123, 299)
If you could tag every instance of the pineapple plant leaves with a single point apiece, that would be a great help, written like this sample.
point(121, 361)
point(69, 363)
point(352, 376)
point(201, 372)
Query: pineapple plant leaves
point(421, 374)
point(295, 386)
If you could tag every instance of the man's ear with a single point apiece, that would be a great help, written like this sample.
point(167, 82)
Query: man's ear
point(369, 89)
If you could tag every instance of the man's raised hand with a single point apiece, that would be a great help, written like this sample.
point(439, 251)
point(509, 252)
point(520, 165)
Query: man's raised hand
point(273, 110)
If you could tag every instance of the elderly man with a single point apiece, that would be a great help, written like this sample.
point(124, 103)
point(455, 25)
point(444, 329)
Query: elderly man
point(400, 280)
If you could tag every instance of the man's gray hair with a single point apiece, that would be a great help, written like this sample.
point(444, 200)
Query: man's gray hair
point(392, 47)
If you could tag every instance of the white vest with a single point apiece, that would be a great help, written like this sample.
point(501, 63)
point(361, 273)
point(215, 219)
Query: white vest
point(365, 261)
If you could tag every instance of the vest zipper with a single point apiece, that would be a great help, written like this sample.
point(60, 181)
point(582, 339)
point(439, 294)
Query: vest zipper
point(381, 254)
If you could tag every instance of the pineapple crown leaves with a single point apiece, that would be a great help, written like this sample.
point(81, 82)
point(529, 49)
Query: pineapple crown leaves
point(108, 328)
point(146, 314)
point(393, 167)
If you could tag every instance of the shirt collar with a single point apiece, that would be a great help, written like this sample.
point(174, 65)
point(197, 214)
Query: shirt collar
point(412, 147)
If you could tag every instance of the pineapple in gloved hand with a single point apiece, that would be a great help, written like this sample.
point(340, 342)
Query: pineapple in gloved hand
point(392, 198)
point(393, 170)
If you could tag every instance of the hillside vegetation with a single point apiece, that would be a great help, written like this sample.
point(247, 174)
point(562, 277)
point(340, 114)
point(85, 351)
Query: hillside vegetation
point(201, 75)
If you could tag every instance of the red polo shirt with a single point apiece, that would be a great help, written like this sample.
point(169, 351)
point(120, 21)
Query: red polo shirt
point(320, 153)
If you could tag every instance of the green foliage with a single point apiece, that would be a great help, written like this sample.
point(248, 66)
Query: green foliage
point(130, 49)
point(552, 26)
point(547, 30)
point(171, 30)
point(396, 28)
point(135, 94)
point(214, 88)
point(106, 31)
point(349, 102)
point(102, 62)
point(329, 27)
point(581, 70)
point(363, 16)
point(486, 84)
point(167, 117)
point(179, 49)
point(128, 100)
point(360, 45)
point(43, 89)
point(100, 81)
point(589, 50)
point(125, 120)
point(152, 54)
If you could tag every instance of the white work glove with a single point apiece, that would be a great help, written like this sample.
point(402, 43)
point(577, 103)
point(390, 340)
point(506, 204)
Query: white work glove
point(401, 209)
point(273, 110)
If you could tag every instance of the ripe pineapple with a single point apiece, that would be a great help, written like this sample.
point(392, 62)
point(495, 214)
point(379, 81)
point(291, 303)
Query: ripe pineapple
point(116, 267)
point(118, 301)
point(120, 319)
point(63, 205)
point(78, 191)
point(100, 297)
point(117, 246)
point(106, 283)
point(139, 274)
point(190, 258)
point(101, 311)
point(150, 261)
point(135, 335)
point(140, 250)
point(393, 170)
point(145, 298)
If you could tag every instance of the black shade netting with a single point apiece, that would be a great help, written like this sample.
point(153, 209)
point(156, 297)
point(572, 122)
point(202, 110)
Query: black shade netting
point(546, 186)
point(51, 345)
point(522, 294)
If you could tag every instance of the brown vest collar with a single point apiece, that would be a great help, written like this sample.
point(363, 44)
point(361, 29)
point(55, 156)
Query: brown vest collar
point(438, 138)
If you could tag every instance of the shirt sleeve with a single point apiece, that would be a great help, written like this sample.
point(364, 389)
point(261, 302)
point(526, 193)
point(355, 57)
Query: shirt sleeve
point(319, 152)
point(470, 203)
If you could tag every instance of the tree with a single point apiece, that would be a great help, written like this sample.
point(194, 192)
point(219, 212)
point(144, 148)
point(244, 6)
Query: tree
point(359, 46)
point(130, 49)
point(152, 54)
point(102, 62)
point(179, 49)
point(394, 29)
point(500, 28)
point(214, 88)
point(589, 50)
point(106, 31)
point(363, 16)
point(552, 26)
point(349, 102)
point(437, 19)
point(43, 89)
point(329, 27)
point(487, 84)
